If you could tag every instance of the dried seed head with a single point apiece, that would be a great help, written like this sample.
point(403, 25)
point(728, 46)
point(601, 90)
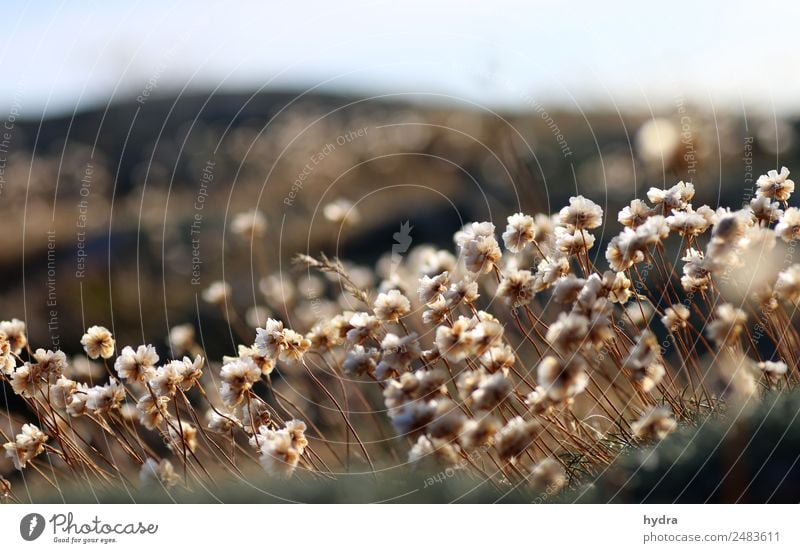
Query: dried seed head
point(28, 444)
point(391, 306)
point(655, 424)
point(547, 476)
point(775, 185)
point(520, 231)
point(136, 366)
point(155, 472)
point(515, 437)
point(15, 333)
point(562, 380)
point(98, 342)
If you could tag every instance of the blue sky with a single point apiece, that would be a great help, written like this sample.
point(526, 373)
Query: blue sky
point(58, 56)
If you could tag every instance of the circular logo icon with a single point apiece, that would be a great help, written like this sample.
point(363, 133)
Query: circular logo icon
point(31, 526)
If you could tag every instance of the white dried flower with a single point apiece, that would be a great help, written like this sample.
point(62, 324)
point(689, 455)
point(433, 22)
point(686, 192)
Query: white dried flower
point(635, 214)
point(516, 287)
point(62, 391)
point(7, 359)
point(102, 399)
point(581, 213)
point(391, 306)
point(426, 449)
point(15, 332)
point(765, 210)
point(397, 354)
point(463, 291)
point(249, 225)
point(677, 197)
point(773, 369)
point(281, 449)
point(340, 211)
point(515, 437)
point(687, 222)
point(27, 445)
point(165, 379)
point(787, 286)
point(491, 391)
point(50, 364)
point(217, 292)
point(788, 227)
point(151, 411)
point(675, 317)
point(181, 338)
point(448, 420)
point(618, 286)
point(656, 423)
point(727, 326)
point(569, 332)
point(547, 476)
point(549, 271)
point(182, 435)
point(221, 423)
point(162, 472)
point(98, 342)
point(520, 231)
point(478, 432)
point(360, 361)
point(562, 379)
point(479, 247)
point(238, 377)
point(269, 340)
point(437, 312)
point(136, 366)
point(775, 185)
point(457, 341)
point(431, 288)
point(573, 242)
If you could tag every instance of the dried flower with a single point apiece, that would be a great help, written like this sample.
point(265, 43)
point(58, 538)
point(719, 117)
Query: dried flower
point(431, 288)
point(635, 214)
point(183, 434)
point(238, 377)
point(162, 472)
point(656, 423)
point(360, 361)
point(765, 210)
point(788, 227)
point(14, 331)
point(775, 185)
point(515, 437)
point(136, 366)
point(397, 353)
point(151, 411)
point(479, 247)
point(516, 287)
point(28, 444)
point(727, 326)
point(102, 399)
point(249, 225)
point(7, 361)
point(181, 338)
point(98, 342)
point(581, 213)
point(217, 292)
point(562, 380)
point(675, 317)
point(548, 476)
point(676, 197)
point(520, 231)
point(773, 369)
point(391, 306)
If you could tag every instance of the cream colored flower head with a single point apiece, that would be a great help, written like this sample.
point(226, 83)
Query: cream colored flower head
point(98, 342)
